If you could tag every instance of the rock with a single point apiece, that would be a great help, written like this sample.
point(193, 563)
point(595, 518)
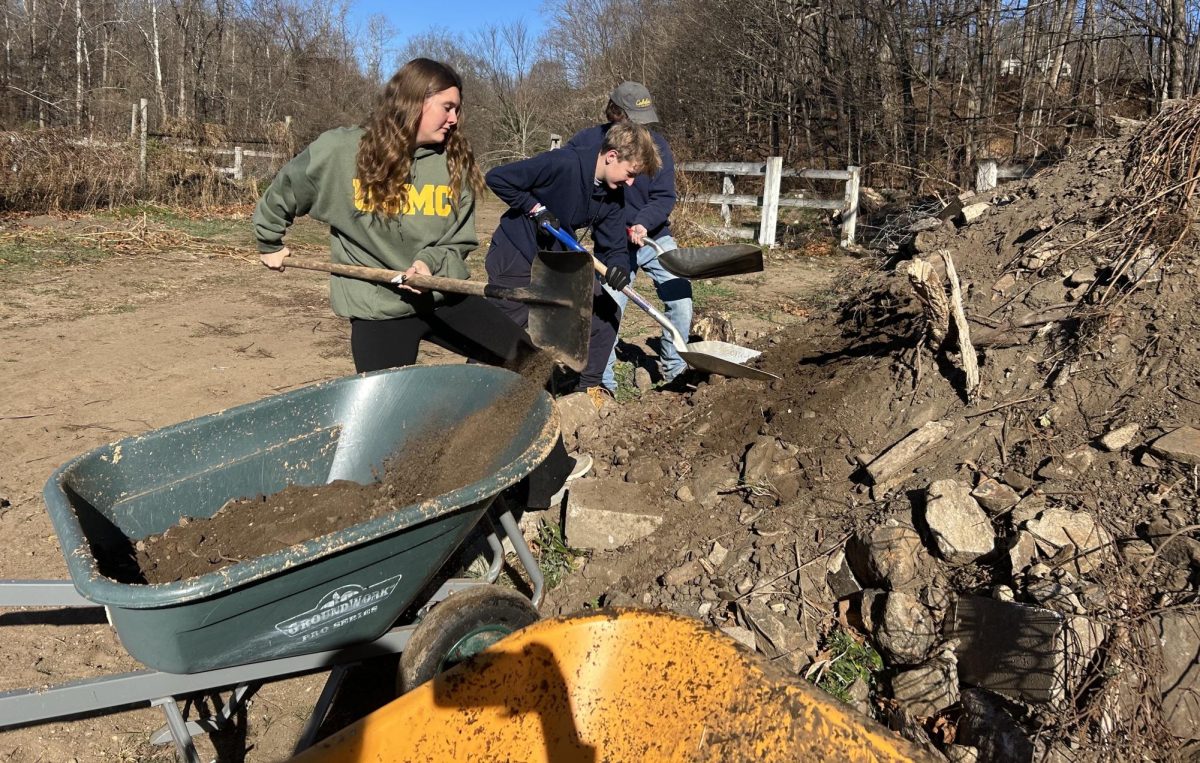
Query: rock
point(714, 326)
point(1057, 528)
point(994, 496)
point(860, 696)
point(839, 577)
point(1081, 276)
point(709, 480)
point(575, 410)
point(1178, 636)
point(756, 464)
point(1029, 507)
point(776, 639)
point(973, 212)
point(1147, 460)
point(684, 493)
point(642, 380)
point(1182, 445)
point(684, 573)
point(1017, 481)
point(743, 636)
point(644, 470)
point(924, 223)
point(960, 528)
point(605, 514)
point(1004, 283)
point(1070, 467)
point(905, 632)
point(891, 555)
point(716, 557)
point(929, 688)
point(1119, 438)
point(1022, 552)
point(987, 726)
point(961, 753)
point(1176, 548)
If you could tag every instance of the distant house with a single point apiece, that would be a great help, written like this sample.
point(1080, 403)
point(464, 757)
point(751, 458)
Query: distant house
point(1010, 66)
point(1013, 66)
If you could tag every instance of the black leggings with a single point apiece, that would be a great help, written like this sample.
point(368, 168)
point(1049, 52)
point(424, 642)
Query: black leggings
point(470, 326)
point(477, 329)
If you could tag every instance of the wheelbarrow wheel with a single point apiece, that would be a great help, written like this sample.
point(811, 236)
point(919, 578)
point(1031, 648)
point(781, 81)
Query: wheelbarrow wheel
point(460, 627)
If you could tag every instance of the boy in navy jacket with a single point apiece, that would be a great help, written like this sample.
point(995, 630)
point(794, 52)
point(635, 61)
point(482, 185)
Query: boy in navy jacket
point(648, 205)
point(583, 187)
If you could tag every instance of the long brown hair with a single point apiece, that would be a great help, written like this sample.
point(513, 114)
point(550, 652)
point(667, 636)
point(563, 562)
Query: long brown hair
point(385, 153)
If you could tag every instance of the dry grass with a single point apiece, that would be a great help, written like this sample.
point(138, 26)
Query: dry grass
point(57, 171)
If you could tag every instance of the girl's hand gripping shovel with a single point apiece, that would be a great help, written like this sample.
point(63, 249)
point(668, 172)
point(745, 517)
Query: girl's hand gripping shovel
point(721, 358)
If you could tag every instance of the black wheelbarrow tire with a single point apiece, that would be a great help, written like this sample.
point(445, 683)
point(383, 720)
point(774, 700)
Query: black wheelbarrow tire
point(467, 622)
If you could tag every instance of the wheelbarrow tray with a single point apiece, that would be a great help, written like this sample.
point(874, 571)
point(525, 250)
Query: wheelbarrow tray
point(340, 589)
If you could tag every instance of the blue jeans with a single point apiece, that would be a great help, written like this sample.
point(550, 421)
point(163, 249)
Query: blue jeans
point(676, 296)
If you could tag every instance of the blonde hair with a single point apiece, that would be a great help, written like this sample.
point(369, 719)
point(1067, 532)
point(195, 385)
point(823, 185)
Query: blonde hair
point(633, 143)
point(385, 153)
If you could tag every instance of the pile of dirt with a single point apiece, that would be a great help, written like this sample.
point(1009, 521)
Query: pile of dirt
point(781, 524)
point(430, 464)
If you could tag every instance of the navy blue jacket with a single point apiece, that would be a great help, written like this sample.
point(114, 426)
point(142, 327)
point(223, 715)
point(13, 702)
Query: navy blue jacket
point(650, 200)
point(564, 181)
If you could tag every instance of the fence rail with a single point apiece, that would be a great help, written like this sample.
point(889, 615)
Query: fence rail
point(770, 201)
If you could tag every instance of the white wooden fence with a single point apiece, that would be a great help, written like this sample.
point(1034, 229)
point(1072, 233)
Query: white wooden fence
point(770, 202)
point(988, 173)
point(137, 125)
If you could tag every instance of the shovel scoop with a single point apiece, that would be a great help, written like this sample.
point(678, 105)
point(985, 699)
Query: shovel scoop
point(722, 358)
point(709, 261)
point(559, 296)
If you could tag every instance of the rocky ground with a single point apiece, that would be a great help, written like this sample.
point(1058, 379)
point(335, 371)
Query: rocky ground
point(1004, 568)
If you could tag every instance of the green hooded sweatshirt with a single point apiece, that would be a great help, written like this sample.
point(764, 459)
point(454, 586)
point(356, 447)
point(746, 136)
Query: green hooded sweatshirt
point(430, 226)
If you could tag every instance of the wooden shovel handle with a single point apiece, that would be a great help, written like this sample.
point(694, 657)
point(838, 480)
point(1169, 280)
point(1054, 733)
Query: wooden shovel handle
point(383, 275)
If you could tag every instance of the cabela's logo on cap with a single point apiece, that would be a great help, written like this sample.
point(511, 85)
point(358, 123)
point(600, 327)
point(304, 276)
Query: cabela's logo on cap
point(642, 103)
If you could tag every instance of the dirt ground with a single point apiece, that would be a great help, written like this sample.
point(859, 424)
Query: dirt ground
point(134, 341)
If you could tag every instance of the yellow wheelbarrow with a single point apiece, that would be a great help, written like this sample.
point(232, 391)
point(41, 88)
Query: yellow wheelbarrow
point(627, 686)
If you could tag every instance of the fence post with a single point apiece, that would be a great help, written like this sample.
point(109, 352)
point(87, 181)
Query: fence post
point(770, 209)
point(850, 212)
point(985, 175)
point(726, 210)
point(237, 162)
point(555, 141)
point(133, 120)
point(142, 140)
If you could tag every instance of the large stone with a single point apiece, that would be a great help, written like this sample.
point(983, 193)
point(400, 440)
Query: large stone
point(986, 725)
point(605, 514)
point(709, 481)
point(995, 496)
point(905, 632)
point(973, 212)
point(960, 528)
point(1058, 528)
point(1068, 468)
point(929, 688)
point(1119, 438)
point(575, 410)
point(644, 470)
point(756, 465)
point(1181, 445)
point(684, 573)
point(777, 638)
point(893, 556)
point(1178, 636)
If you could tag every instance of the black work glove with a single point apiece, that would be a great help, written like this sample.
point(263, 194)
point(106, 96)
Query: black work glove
point(617, 277)
point(541, 214)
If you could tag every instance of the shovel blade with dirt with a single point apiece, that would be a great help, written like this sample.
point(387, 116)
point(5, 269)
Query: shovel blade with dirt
point(559, 297)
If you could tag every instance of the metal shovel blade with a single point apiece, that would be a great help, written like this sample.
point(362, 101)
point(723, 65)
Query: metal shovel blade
point(710, 261)
point(725, 359)
point(562, 329)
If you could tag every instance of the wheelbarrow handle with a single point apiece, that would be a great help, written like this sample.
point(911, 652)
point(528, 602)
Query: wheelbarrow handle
point(568, 240)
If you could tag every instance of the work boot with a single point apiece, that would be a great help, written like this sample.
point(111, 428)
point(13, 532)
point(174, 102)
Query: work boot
point(582, 465)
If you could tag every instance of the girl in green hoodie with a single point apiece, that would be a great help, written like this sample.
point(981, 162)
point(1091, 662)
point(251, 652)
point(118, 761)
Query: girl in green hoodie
point(397, 193)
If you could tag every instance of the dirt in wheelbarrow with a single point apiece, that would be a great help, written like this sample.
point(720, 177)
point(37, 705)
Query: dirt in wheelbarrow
point(432, 463)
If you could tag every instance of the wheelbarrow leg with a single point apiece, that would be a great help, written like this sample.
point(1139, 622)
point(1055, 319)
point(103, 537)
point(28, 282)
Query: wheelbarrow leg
point(179, 729)
point(332, 684)
point(200, 726)
point(493, 541)
point(524, 554)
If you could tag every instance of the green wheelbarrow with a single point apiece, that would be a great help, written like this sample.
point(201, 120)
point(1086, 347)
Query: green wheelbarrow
point(323, 603)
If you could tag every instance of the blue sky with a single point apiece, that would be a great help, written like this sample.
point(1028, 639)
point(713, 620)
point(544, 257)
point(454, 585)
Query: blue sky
point(410, 17)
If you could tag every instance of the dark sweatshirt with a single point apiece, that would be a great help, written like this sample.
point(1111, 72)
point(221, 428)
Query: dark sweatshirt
point(428, 227)
point(650, 200)
point(564, 181)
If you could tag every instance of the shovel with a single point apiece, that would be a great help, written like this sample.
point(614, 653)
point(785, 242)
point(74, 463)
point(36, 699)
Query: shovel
point(559, 296)
point(721, 358)
point(709, 261)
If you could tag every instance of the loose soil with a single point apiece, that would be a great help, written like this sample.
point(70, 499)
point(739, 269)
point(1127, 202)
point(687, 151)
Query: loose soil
point(431, 463)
